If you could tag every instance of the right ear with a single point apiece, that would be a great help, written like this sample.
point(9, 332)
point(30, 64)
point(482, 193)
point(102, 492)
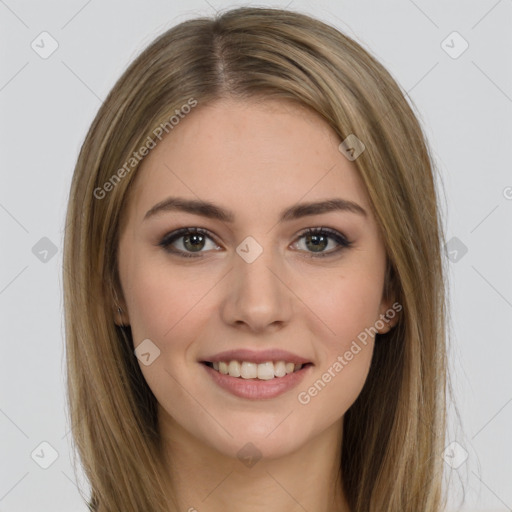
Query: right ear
point(121, 317)
point(120, 311)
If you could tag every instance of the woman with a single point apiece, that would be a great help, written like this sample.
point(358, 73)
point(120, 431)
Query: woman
point(254, 290)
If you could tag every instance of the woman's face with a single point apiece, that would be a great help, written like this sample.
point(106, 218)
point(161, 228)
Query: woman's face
point(252, 288)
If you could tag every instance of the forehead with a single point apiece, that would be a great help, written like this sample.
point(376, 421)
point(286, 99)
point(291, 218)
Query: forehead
point(249, 155)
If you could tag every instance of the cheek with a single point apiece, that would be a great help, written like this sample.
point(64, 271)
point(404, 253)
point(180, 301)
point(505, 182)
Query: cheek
point(161, 303)
point(348, 310)
point(335, 387)
point(167, 310)
point(345, 352)
point(345, 306)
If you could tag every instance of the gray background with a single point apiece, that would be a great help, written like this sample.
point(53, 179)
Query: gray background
point(47, 105)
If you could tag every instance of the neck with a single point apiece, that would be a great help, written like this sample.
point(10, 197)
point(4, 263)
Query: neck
point(202, 479)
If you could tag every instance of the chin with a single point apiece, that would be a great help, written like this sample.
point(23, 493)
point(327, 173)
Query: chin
point(270, 438)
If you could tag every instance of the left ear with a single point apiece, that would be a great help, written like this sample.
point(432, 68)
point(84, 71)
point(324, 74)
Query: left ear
point(389, 309)
point(389, 315)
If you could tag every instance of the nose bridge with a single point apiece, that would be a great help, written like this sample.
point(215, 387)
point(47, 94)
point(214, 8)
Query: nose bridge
point(253, 272)
point(256, 294)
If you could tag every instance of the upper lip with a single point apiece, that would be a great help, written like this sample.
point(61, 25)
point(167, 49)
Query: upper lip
point(260, 356)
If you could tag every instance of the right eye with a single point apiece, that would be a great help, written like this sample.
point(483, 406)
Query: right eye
point(192, 240)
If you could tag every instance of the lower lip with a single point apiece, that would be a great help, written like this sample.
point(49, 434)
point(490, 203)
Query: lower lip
point(257, 389)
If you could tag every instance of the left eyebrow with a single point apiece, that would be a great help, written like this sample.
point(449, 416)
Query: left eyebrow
point(210, 210)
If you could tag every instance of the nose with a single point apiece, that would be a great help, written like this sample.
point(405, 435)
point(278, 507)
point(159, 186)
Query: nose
point(257, 297)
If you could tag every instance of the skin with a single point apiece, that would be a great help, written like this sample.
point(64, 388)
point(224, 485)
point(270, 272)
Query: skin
point(254, 158)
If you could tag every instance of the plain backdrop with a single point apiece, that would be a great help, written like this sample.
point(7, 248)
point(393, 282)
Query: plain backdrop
point(461, 87)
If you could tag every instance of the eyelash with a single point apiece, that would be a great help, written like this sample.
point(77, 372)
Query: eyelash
point(170, 238)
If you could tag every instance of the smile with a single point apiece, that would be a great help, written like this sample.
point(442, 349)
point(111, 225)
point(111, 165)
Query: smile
point(256, 381)
point(262, 371)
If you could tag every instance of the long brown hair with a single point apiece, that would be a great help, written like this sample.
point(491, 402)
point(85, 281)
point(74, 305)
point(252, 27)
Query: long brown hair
point(394, 432)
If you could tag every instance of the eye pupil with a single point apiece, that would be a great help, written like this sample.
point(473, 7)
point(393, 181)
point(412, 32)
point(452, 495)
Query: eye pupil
point(316, 241)
point(195, 238)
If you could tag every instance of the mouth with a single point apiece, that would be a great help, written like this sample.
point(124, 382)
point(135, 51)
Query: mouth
point(246, 370)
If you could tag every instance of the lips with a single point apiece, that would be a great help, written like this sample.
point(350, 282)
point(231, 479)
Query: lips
point(256, 374)
point(262, 365)
point(257, 388)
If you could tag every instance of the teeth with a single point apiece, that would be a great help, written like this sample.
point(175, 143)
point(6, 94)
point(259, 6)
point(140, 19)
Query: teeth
point(266, 371)
point(234, 369)
point(280, 369)
point(262, 371)
point(248, 370)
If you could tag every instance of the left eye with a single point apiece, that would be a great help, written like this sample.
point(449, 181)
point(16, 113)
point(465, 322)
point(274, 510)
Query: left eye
point(193, 240)
point(318, 239)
